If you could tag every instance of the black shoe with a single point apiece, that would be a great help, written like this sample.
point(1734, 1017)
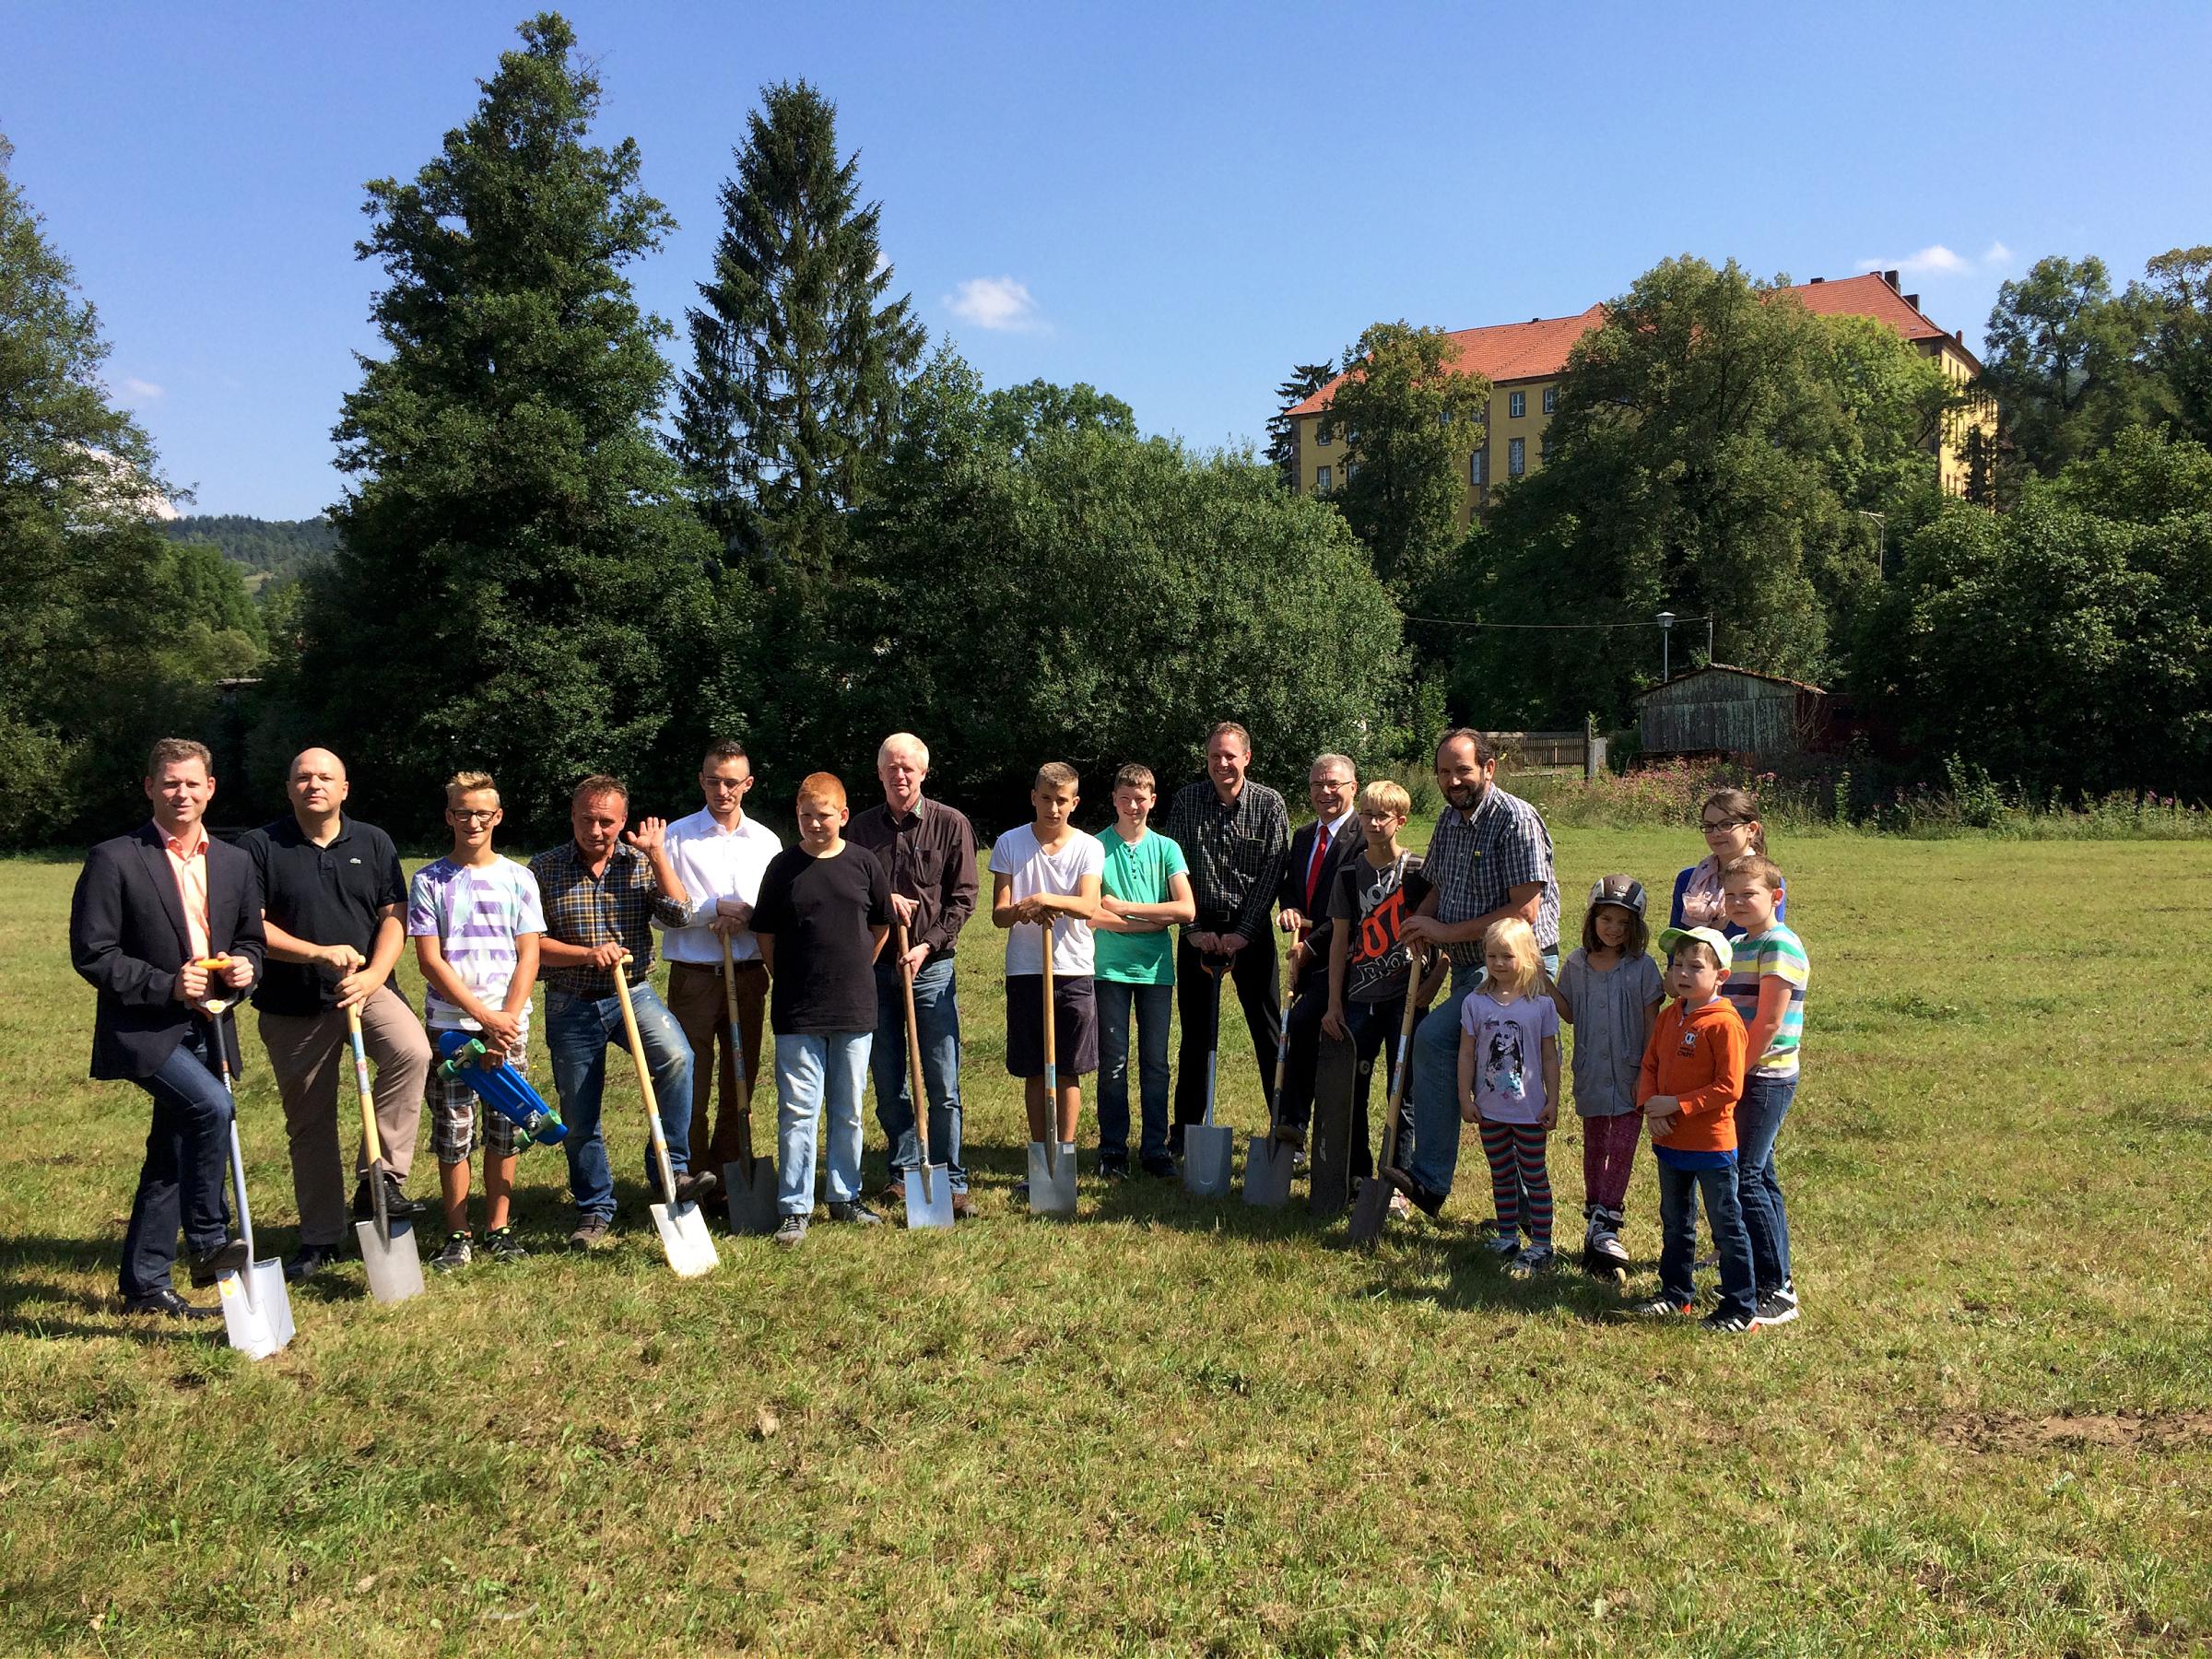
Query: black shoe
point(312, 1259)
point(1728, 1321)
point(1113, 1169)
point(501, 1245)
point(397, 1204)
point(856, 1211)
point(1157, 1165)
point(211, 1265)
point(1422, 1199)
point(696, 1186)
point(166, 1303)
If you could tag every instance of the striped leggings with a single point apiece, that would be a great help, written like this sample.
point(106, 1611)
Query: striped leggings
point(1519, 1183)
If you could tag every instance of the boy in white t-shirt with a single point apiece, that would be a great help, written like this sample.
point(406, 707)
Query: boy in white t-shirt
point(476, 921)
point(1049, 872)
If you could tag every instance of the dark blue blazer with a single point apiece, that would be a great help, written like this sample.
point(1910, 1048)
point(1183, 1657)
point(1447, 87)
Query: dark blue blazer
point(127, 936)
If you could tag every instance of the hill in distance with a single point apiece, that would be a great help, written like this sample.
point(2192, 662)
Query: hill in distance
point(271, 549)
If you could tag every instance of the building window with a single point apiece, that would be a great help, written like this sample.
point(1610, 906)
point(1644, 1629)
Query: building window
point(1322, 437)
point(1551, 400)
point(1516, 403)
point(1320, 480)
point(1516, 456)
point(1544, 450)
point(1478, 469)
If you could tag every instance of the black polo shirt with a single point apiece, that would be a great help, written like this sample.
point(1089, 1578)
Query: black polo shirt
point(325, 895)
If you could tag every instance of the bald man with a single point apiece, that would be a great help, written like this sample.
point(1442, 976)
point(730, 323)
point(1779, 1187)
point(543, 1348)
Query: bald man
point(334, 914)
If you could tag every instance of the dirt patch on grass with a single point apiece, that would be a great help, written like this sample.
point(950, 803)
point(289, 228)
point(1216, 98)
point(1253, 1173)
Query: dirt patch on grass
point(2122, 1430)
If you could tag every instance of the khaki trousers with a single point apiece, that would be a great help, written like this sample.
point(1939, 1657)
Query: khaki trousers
point(695, 998)
point(310, 1056)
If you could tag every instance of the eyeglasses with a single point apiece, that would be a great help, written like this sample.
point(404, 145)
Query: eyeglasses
point(463, 817)
point(1726, 823)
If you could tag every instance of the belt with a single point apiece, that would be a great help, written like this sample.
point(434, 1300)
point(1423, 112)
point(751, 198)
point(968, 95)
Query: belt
point(714, 970)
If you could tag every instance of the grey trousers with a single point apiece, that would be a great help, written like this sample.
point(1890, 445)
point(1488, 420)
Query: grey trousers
point(312, 1056)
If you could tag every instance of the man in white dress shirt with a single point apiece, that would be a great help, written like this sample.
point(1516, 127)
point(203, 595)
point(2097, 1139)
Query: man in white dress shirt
point(721, 853)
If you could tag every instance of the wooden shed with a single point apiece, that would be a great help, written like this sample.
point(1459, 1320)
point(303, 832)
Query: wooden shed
point(1721, 711)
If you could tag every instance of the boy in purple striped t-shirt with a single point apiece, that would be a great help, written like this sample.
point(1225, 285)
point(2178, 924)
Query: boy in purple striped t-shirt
point(476, 921)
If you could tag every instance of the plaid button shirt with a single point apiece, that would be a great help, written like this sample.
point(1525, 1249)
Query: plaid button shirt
point(1236, 853)
point(1476, 862)
point(620, 904)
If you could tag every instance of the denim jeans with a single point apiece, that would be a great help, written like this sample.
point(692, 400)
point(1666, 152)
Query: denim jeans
point(937, 1020)
point(1758, 1122)
point(1151, 1006)
point(1436, 1118)
point(818, 1077)
point(1678, 1191)
point(1374, 1031)
point(181, 1179)
point(579, 1031)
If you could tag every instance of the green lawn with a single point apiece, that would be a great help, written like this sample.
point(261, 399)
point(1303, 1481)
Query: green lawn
point(1179, 1426)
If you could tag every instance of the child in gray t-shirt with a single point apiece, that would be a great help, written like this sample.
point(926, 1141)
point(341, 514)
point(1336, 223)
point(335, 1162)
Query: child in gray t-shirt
point(1609, 992)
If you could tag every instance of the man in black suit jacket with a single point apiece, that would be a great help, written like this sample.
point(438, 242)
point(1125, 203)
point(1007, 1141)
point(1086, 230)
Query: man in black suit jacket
point(1318, 853)
point(147, 906)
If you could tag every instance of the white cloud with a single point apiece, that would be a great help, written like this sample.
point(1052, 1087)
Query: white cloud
point(1936, 260)
point(1997, 255)
point(883, 264)
point(995, 303)
point(139, 391)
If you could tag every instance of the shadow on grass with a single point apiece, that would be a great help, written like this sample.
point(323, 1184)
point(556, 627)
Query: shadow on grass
point(35, 1303)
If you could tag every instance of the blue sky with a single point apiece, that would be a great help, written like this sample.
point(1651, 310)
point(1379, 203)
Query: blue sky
point(1174, 202)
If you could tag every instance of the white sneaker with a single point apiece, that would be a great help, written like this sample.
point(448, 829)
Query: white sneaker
point(1535, 1259)
point(1776, 1307)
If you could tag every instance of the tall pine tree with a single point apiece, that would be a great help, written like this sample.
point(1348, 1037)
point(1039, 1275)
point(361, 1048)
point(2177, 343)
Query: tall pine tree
point(798, 358)
point(518, 572)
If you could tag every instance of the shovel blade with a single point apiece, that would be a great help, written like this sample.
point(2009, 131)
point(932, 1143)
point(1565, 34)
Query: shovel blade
point(258, 1314)
point(1208, 1150)
point(752, 1201)
point(1052, 1180)
point(1267, 1166)
point(929, 1198)
point(394, 1264)
point(1371, 1210)
point(683, 1230)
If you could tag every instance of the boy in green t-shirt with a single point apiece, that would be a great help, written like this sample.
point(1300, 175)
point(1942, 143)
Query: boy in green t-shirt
point(1146, 890)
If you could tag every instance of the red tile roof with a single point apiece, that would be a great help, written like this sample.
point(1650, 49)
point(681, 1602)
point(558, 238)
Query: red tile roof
point(1537, 348)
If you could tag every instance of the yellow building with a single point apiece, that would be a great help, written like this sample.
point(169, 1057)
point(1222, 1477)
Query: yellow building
point(1524, 362)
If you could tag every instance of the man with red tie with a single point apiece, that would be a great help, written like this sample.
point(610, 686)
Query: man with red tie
point(1317, 853)
point(148, 907)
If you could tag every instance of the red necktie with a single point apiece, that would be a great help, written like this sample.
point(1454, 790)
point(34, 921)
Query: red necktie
point(1321, 850)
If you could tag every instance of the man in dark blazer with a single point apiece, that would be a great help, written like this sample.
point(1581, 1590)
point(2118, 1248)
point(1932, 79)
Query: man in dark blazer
point(147, 906)
point(1318, 853)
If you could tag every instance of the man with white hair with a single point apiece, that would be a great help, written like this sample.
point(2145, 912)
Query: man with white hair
point(929, 849)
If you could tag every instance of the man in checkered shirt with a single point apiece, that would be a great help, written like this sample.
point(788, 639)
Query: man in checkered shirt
point(1490, 858)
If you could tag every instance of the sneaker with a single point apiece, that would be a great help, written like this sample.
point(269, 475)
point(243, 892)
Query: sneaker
point(1658, 1307)
point(1728, 1320)
point(311, 1259)
point(1777, 1307)
point(1157, 1165)
point(1535, 1259)
point(456, 1253)
point(1504, 1245)
point(1399, 1205)
point(1427, 1202)
point(856, 1211)
point(790, 1230)
point(501, 1245)
point(590, 1233)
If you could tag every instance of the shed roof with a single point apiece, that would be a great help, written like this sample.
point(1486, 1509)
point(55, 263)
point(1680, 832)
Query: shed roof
point(1772, 679)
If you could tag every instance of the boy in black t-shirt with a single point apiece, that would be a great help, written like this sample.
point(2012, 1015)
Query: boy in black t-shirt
point(1368, 963)
point(823, 913)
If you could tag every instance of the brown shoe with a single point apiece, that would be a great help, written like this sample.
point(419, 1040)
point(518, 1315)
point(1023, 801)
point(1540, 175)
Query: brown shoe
point(959, 1205)
point(895, 1193)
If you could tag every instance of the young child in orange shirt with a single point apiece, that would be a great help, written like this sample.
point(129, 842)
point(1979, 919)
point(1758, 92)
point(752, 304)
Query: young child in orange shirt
point(1692, 1078)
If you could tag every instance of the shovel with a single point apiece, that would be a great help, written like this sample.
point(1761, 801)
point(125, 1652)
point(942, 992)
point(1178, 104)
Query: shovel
point(750, 1181)
point(682, 1228)
point(1209, 1147)
point(929, 1189)
point(388, 1249)
point(1267, 1161)
point(1051, 1165)
point(1370, 1209)
point(257, 1309)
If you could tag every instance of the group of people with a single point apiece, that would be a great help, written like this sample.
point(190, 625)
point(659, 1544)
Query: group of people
point(828, 942)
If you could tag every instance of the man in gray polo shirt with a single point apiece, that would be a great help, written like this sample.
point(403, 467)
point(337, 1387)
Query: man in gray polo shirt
point(1490, 858)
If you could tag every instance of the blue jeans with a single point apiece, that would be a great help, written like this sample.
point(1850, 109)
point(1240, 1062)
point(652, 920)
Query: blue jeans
point(579, 1031)
point(1758, 1121)
point(1151, 1006)
point(186, 1150)
point(1678, 1191)
point(1435, 1120)
point(819, 1077)
point(937, 1020)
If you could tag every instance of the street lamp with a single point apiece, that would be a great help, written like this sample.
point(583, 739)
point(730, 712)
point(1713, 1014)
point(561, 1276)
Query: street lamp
point(1881, 537)
point(1666, 634)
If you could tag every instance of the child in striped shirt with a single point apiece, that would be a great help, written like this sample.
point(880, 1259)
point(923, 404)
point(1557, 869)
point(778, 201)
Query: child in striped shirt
point(1767, 985)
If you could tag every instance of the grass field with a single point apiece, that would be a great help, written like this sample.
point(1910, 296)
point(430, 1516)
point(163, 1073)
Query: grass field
point(1177, 1427)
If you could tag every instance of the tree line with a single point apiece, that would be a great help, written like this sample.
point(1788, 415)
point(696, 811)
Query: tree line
point(556, 551)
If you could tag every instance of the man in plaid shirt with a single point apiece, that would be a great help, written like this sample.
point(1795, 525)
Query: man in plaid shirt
point(1235, 835)
point(600, 892)
point(1490, 858)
